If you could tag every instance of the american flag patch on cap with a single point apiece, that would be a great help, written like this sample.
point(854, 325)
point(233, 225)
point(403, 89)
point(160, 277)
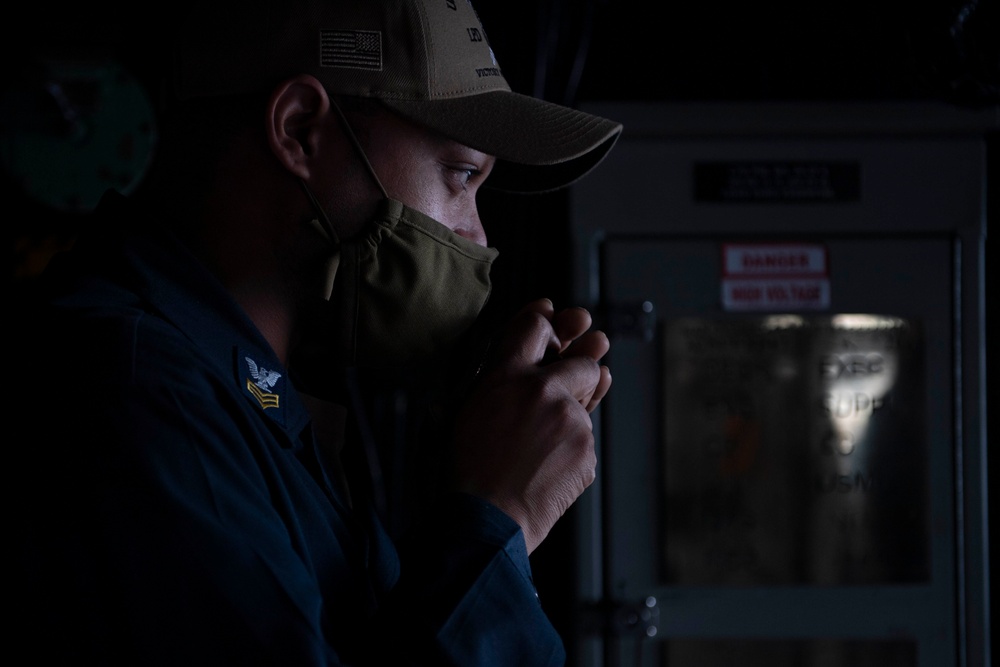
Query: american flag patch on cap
point(361, 49)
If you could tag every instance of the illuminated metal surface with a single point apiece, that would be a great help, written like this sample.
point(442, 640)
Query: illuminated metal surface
point(790, 653)
point(794, 451)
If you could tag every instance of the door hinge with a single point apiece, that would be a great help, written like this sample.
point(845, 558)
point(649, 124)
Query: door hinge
point(631, 320)
point(621, 618)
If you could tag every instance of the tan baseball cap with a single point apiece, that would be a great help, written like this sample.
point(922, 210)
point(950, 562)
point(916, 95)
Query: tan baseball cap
point(428, 60)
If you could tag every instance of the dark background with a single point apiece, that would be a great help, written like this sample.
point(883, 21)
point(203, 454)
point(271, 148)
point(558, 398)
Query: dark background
point(828, 50)
point(571, 52)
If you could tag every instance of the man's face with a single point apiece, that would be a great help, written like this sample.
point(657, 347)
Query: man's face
point(426, 171)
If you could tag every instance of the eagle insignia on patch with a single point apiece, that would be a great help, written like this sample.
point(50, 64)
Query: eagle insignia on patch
point(263, 381)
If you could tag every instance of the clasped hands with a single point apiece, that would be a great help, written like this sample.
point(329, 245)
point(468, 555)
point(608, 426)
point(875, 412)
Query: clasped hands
point(524, 438)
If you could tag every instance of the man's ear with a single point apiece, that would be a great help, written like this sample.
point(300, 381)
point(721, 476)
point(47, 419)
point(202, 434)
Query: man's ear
point(296, 113)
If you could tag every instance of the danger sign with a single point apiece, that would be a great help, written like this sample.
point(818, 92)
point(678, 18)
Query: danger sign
point(775, 276)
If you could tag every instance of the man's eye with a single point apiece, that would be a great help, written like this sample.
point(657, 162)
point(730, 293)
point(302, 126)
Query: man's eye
point(462, 175)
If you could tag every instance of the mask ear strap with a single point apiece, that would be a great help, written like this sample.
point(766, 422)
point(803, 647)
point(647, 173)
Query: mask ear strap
point(324, 220)
point(349, 131)
point(323, 226)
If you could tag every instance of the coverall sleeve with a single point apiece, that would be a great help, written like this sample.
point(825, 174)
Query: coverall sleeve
point(161, 526)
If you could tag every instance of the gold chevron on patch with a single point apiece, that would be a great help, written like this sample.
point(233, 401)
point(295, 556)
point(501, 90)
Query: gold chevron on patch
point(266, 399)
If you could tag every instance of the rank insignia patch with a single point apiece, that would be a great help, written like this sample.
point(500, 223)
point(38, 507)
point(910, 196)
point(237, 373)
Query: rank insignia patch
point(261, 382)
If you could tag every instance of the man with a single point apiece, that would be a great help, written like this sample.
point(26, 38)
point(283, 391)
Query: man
point(192, 494)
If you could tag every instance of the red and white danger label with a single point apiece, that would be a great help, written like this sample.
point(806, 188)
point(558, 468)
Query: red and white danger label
point(775, 276)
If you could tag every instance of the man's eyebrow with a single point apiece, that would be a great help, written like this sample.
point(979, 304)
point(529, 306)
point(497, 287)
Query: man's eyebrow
point(457, 146)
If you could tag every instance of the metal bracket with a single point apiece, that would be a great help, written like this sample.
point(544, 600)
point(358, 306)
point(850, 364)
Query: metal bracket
point(637, 619)
point(633, 320)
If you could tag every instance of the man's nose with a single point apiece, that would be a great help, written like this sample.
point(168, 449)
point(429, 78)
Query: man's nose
point(473, 230)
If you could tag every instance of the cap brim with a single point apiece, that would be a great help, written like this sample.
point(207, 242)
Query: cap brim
point(539, 146)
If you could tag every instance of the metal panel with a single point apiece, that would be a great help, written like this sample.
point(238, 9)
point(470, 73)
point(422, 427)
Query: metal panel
point(771, 519)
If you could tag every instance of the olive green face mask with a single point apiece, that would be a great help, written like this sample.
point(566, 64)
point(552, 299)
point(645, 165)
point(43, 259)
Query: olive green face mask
point(405, 290)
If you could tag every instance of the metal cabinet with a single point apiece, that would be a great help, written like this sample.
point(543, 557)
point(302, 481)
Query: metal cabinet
point(792, 460)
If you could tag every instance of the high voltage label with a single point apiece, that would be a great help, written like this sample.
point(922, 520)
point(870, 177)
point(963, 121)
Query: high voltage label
point(775, 276)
